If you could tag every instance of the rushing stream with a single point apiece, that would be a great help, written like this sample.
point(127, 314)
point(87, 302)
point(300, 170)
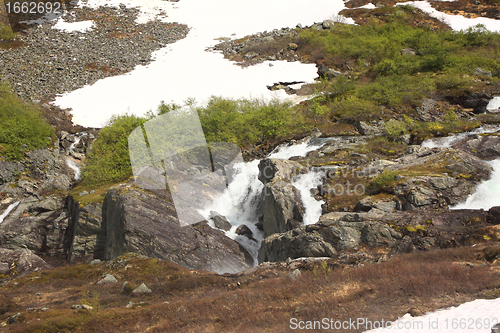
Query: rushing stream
point(239, 202)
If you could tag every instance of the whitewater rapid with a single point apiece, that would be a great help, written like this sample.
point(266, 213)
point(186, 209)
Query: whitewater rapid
point(239, 203)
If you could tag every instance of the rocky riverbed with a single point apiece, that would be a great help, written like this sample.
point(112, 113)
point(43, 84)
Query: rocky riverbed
point(52, 61)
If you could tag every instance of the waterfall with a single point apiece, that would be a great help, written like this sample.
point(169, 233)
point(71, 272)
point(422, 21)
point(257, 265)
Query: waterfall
point(73, 165)
point(487, 193)
point(239, 203)
point(304, 183)
point(8, 210)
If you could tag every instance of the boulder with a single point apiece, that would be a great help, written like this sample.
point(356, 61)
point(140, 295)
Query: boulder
point(283, 209)
point(220, 221)
point(370, 129)
point(107, 279)
point(142, 289)
point(21, 261)
point(243, 230)
point(145, 222)
point(326, 237)
point(493, 216)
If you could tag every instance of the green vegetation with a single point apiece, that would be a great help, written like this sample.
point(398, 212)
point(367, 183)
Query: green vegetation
point(6, 32)
point(383, 182)
point(242, 122)
point(393, 64)
point(109, 160)
point(21, 126)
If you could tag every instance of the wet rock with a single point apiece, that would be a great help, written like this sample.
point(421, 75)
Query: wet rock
point(220, 221)
point(243, 230)
point(145, 222)
point(484, 147)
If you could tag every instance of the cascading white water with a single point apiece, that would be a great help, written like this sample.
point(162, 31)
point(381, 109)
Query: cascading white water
point(448, 141)
point(8, 210)
point(487, 193)
point(239, 202)
point(72, 164)
point(304, 183)
point(494, 104)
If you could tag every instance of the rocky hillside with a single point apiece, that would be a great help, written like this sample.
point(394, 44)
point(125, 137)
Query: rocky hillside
point(112, 256)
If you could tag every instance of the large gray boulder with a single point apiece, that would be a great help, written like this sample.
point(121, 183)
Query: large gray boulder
point(283, 209)
point(14, 262)
point(145, 222)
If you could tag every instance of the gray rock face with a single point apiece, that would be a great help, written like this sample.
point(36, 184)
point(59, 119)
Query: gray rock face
point(145, 222)
point(87, 231)
point(37, 225)
point(283, 208)
point(484, 147)
point(325, 238)
point(21, 261)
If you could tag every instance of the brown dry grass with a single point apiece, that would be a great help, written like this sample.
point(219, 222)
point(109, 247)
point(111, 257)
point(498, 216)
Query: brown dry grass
point(262, 301)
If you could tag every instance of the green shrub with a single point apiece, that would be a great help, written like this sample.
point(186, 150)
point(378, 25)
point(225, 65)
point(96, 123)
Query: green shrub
point(22, 127)
point(109, 159)
point(383, 182)
point(6, 32)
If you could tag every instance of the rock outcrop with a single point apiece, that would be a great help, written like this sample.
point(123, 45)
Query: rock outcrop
point(326, 238)
point(145, 222)
point(15, 262)
point(283, 208)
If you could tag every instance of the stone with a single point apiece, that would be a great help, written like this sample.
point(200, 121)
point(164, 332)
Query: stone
point(366, 129)
point(493, 216)
point(142, 289)
point(95, 262)
point(108, 279)
point(243, 230)
point(22, 261)
point(327, 24)
point(293, 275)
point(481, 72)
point(4, 268)
point(408, 51)
point(220, 221)
point(127, 288)
point(145, 222)
point(82, 307)
point(495, 329)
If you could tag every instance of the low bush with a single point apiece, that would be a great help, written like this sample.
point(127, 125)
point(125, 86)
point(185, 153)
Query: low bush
point(109, 159)
point(6, 32)
point(22, 127)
